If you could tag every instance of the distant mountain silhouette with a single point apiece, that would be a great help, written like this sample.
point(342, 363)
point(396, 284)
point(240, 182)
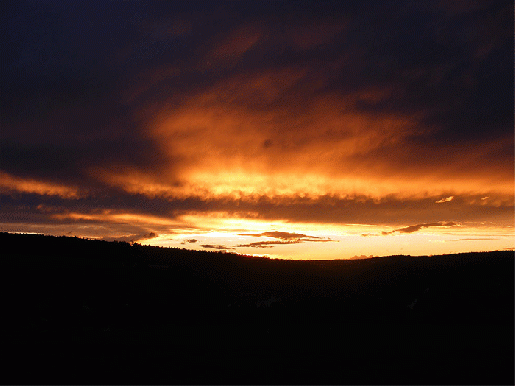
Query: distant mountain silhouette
point(112, 312)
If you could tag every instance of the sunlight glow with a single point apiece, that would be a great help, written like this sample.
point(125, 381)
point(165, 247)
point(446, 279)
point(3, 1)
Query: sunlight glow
point(249, 186)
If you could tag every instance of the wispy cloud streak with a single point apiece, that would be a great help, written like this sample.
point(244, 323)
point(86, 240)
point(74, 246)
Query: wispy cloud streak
point(283, 238)
point(416, 228)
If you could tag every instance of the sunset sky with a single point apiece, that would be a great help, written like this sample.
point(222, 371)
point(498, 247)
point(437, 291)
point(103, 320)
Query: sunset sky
point(298, 130)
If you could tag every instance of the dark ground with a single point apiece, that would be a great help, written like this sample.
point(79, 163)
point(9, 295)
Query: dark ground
point(93, 312)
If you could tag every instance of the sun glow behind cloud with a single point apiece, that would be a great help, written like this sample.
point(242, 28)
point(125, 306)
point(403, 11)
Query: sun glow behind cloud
point(331, 241)
point(341, 241)
point(259, 134)
point(223, 123)
point(237, 182)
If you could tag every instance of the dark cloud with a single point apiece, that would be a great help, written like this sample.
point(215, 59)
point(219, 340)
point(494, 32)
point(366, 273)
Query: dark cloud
point(361, 257)
point(284, 238)
point(416, 228)
point(189, 241)
point(220, 247)
point(282, 235)
point(42, 209)
point(267, 244)
point(287, 236)
point(389, 210)
point(132, 238)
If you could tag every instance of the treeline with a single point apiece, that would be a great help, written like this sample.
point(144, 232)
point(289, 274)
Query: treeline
point(461, 287)
point(128, 308)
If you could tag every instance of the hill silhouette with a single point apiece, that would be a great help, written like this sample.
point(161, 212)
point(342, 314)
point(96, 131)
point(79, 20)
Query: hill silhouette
point(86, 311)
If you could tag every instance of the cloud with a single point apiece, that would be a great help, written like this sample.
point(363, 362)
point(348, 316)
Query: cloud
point(132, 238)
point(9, 183)
point(361, 257)
point(235, 44)
point(189, 241)
point(302, 114)
point(212, 246)
point(150, 235)
point(288, 236)
point(267, 244)
point(416, 228)
point(166, 214)
point(446, 199)
point(281, 235)
point(295, 102)
point(283, 238)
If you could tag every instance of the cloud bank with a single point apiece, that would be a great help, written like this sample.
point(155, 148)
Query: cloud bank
point(326, 113)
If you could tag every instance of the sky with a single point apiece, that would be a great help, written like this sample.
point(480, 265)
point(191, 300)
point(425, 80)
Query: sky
point(295, 130)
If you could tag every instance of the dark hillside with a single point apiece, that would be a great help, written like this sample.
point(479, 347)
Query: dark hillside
point(118, 313)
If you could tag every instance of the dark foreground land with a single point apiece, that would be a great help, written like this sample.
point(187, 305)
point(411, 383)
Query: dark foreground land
point(93, 312)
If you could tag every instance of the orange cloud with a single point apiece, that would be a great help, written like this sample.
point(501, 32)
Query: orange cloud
point(113, 216)
point(259, 134)
point(445, 199)
point(27, 185)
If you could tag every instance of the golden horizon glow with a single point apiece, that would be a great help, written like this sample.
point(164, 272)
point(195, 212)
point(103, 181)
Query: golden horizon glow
point(340, 241)
point(345, 242)
point(287, 240)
